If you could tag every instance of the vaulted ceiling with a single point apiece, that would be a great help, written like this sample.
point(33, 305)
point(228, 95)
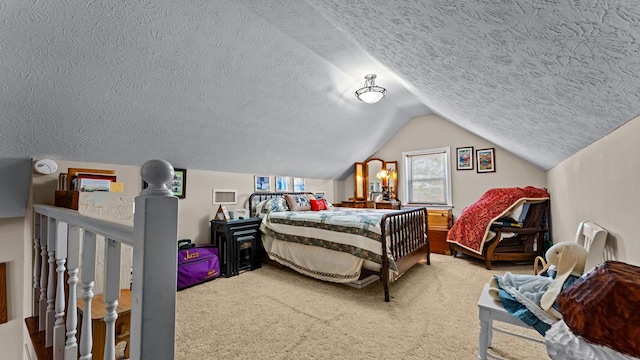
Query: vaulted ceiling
point(267, 87)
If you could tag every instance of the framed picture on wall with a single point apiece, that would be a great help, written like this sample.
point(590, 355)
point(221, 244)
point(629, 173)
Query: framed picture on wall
point(298, 184)
point(485, 160)
point(262, 183)
point(464, 158)
point(283, 183)
point(178, 185)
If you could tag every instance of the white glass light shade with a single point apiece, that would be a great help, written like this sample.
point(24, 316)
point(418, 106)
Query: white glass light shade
point(370, 93)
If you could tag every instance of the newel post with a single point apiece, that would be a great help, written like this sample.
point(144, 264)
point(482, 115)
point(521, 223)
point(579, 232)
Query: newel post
point(153, 298)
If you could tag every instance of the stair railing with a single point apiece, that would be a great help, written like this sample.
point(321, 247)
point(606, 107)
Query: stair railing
point(57, 236)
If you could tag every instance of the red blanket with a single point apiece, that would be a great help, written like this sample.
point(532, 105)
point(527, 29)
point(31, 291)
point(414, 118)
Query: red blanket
point(472, 228)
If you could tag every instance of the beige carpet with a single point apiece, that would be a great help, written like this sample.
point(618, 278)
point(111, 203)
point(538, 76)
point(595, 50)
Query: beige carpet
point(272, 313)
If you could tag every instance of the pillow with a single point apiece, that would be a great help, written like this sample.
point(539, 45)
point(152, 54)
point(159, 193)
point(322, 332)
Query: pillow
point(268, 206)
point(327, 203)
point(298, 202)
point(317, 205)
point(258, 210)
point(518, 213)
point(321, 196)
point(277, 204)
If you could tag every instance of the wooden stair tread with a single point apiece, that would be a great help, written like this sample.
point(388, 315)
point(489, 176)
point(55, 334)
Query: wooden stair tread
point(38, 339)
point(97, 304)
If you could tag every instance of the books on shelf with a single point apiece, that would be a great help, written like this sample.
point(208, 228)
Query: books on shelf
point(74, 173)
point(91, 180)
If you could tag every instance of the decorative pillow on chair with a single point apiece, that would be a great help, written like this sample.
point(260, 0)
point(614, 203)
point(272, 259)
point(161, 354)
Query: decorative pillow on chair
point(317, 205)
point(298, 202)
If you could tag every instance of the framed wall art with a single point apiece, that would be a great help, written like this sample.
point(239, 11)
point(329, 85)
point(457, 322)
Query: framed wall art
point(298, 184)
point(464, 158)
point(283, 183)
point(485, 160)
point(178, 185)
point(262, 183)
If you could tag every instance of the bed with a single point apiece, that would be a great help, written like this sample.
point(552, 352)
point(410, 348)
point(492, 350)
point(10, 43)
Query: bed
point(480, 232)
point(340, 244)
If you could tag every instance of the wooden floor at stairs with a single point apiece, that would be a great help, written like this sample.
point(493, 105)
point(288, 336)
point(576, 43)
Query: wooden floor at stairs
point(38, 340)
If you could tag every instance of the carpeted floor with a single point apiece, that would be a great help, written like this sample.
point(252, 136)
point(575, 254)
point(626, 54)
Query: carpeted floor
point(273, 313)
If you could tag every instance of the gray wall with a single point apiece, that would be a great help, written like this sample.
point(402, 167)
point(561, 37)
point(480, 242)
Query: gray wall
point(432, 131)
point(15, 181)
point(601, 183)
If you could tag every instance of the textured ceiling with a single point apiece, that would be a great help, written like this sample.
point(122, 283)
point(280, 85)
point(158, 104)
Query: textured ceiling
point(267, 87)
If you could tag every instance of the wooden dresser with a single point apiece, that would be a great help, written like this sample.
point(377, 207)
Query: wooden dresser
point(359, 204)
point(440, 221)
point(393, 205)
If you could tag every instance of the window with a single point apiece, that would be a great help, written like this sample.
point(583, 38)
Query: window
point(427, 177)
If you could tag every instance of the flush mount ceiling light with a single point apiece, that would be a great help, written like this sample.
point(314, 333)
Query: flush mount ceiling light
point(370, 93)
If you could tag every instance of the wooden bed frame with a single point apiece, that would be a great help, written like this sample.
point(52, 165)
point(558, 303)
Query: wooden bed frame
point(407, 229)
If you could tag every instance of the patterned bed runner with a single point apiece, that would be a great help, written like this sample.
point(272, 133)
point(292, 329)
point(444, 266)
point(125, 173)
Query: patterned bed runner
point(353, 231)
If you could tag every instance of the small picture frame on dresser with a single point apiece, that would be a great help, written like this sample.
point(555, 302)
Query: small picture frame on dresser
point(222, 213)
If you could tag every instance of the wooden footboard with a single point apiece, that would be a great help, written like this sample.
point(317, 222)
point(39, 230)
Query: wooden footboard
point(405, 232)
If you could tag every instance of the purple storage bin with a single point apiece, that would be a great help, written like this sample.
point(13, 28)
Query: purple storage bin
point(197, 265)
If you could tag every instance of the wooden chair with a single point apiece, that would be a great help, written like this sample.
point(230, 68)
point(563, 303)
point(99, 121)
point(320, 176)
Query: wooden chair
point(526, 246)
point(590, 235)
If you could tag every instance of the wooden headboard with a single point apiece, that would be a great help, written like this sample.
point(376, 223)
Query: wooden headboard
point(257, 197)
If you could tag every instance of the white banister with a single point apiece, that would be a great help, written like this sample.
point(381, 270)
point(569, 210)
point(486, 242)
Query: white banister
point(113, 251)
point(115, 231)
point(51, 250)
point(36, 265)
point(153, 298)
point(73, 246)
point(88, 277)
point(64, 241)
point(59, 333)
point(42, 303)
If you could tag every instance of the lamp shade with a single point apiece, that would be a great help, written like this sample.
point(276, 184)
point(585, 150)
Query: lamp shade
point(370, 93)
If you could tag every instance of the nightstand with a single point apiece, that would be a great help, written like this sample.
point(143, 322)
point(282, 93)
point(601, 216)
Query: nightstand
point(439, 223)
point(239, 244)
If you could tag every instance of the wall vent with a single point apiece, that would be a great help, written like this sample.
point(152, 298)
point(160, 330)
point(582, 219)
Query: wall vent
point(224, 196)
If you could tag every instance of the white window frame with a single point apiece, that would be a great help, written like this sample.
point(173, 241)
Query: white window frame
point(447, 173)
